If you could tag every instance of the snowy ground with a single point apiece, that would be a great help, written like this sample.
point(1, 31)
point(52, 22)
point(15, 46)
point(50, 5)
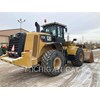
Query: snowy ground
point(87, 75)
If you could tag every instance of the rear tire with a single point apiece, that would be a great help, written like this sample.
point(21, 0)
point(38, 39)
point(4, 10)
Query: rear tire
point(79, 58)
point(52, 62)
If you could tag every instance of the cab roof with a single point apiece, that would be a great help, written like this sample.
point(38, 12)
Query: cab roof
point(54, 23)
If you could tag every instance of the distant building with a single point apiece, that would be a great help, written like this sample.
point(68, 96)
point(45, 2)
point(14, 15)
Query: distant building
point(4, 34)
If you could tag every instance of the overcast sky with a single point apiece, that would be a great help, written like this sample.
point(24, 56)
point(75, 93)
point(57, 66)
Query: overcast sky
point(79, 25)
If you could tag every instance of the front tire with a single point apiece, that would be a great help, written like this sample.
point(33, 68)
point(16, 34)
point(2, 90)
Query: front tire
point(79, 58)
point(52, 62)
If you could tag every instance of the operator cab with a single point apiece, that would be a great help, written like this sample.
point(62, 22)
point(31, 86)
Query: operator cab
point(56, 30)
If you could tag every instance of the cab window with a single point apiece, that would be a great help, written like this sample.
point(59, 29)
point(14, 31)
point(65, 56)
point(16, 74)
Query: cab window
point(47, 30)
point(60, 32)
point(51, 29)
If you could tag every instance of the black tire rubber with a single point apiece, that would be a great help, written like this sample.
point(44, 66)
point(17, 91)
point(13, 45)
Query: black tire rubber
point(76, 62)
point(47, 62)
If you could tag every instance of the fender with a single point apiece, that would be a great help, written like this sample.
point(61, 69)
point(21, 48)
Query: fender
point(71, 50)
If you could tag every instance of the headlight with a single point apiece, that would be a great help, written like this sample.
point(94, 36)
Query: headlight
point(49, 38)
point(43, 37)
point(46, 38)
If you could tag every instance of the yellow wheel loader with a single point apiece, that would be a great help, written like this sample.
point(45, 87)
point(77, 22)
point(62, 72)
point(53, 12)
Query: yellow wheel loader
point(47, 48)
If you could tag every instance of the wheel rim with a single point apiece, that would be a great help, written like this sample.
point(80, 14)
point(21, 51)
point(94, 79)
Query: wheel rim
point(57, 63)
point(81, 57)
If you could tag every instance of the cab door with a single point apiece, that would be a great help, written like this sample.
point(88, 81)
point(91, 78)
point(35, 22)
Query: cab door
point(60, 34)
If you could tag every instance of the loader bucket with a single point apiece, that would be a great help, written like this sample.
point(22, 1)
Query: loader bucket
point(88, 56)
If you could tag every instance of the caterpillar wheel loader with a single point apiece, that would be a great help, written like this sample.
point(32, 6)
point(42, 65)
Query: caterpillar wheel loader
point(47, 48)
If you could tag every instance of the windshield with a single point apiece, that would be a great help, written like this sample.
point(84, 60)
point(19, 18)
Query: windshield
point(50, 29)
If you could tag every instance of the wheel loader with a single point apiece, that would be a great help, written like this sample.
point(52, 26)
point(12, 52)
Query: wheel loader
point(46, 48)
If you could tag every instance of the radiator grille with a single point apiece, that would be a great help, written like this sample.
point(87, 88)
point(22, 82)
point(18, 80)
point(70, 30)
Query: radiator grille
point(15, 42)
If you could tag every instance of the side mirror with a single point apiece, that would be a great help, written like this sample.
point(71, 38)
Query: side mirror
point(74, 40)
point(66, 29)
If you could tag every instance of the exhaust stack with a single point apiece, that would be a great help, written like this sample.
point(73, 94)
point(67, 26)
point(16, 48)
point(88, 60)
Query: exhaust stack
point(37, 27)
